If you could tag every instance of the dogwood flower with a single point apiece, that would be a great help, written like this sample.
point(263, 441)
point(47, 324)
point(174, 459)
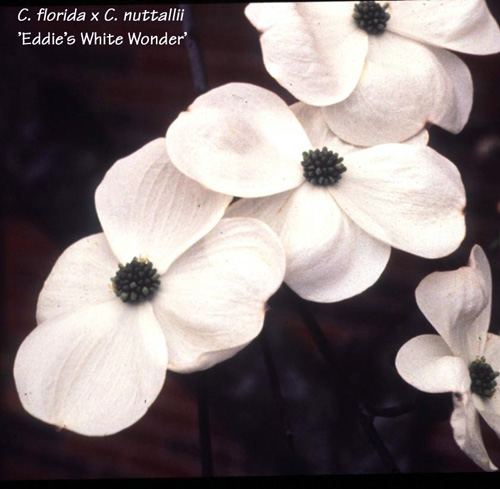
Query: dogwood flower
point(340, 211)
point(379, 70)
point(168, 284)
point(464, 358)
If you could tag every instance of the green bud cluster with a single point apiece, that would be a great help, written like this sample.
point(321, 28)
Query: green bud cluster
point(483, 378)
point(322, 167)
point(136, 281)
point(371, 17)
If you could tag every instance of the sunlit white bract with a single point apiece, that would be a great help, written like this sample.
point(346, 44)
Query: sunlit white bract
point(243, 140)
point(458, 305)
point(377, 88)
point(94, 364)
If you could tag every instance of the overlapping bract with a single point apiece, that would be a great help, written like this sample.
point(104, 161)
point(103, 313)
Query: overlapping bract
point(94, 364)
point(244, 140)
point(458, 305)
point(377, 88)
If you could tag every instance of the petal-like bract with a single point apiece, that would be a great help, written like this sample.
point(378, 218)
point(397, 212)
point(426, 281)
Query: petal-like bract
point(384, 88)
point(395, 99)
point(96, 363)
point(407, 196)
point(329, 258)
point(95, 371)
point(467, 431)
point(312, 120)
point(462, 323)
point(213, 298)
point(319, 133)
point(147, 207)
point(427, 363)
point(80, 277)
point(239, 139)
point(477, 339)
point(457, 304)
point(461, 25)
point(490, 407)
point(313, 49)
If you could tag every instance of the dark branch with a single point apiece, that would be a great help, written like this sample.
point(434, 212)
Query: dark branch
point(389, 412)
point(204, 425)
point(200, 86)
point(348, 389)
point(278, 398)
point(194, 52)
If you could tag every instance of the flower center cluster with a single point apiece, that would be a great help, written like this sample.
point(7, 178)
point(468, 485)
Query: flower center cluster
point(136, 281)
point(483, 378)
point(322, 167)
point(371, 16)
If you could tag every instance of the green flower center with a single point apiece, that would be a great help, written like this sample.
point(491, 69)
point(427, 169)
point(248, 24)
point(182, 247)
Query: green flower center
point(482, 378)
point(136, 281)
point(371, 16)
point(322, 167)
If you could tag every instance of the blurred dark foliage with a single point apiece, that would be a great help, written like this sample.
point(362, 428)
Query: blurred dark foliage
point(67, 114)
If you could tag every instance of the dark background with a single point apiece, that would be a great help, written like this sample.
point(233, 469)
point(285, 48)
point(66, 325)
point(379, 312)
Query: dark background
point(67, 114)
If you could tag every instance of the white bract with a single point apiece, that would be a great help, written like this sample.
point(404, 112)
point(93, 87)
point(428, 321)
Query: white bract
point(96, 363)
point(243, 140)
point(458, 305)
point(377, 88)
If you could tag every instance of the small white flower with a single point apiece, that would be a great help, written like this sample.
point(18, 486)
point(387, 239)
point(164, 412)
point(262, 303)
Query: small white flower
point(384, 87)
point(337, 228)
point(464, 359)
point(193, 296)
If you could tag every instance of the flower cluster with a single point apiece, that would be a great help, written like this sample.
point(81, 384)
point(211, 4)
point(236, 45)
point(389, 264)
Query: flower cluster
point(464, 358)
point(99, 356)
point(361, 78)
point(179, 278)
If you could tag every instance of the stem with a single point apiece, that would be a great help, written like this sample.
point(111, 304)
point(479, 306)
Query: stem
point(278, 398)
point(207, 469)
point(200, 86)
point(321, 341)
point(194, 52)
point(389, 412)
point(365, 419)
point(366, 422)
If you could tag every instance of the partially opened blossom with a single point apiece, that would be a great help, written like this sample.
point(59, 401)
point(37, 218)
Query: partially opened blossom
point(338, 209)
point(464, 358)
point(168, 284)
point(379, 70)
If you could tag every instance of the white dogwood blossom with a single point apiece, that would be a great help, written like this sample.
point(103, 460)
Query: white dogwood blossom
point(379, 70)
point(168, 284)
point(464, 359)
point(339, 212)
